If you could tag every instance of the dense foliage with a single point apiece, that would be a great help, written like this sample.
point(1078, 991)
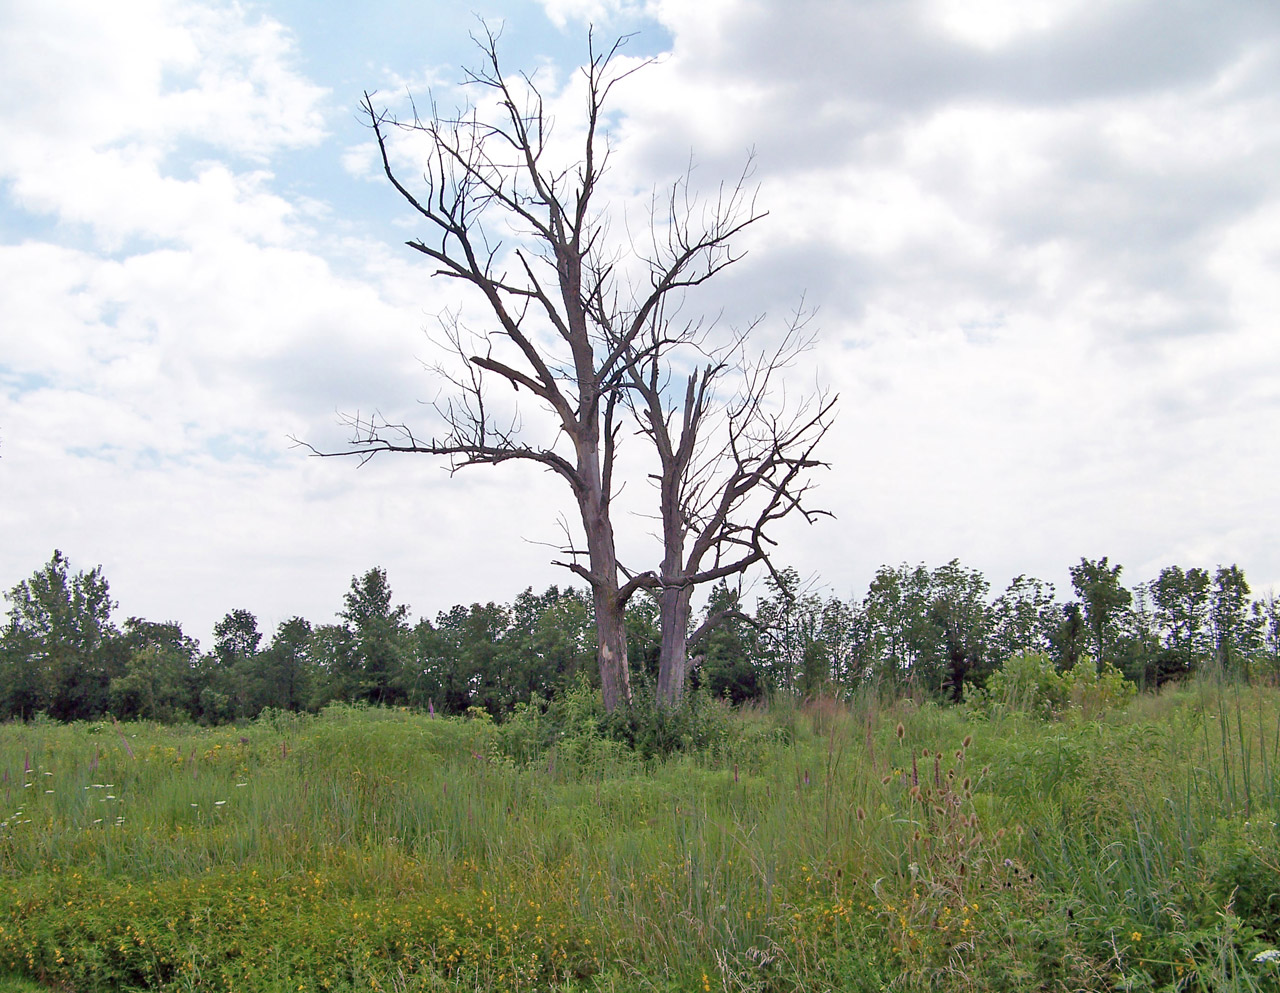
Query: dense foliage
point(937, 631)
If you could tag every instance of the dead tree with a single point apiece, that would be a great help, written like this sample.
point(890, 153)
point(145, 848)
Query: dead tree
point(527, 236)
point(730, 467)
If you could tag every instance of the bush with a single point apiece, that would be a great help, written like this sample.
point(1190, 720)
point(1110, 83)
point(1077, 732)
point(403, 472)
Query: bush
point(695, 724)
point(1029, 683)
point(571, 727)
point(575, 723)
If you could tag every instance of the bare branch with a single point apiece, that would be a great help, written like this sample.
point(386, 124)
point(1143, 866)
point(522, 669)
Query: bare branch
point(567, 332)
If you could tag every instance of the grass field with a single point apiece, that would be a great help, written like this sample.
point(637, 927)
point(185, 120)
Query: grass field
point(865, 844)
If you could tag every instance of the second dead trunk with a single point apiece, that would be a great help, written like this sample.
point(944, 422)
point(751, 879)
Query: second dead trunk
point(673, 658)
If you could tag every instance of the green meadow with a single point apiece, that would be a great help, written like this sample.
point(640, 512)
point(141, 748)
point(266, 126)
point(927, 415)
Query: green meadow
point(870, 843)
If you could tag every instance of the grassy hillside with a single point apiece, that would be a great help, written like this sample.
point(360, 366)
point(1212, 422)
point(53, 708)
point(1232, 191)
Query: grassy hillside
point(865, 844)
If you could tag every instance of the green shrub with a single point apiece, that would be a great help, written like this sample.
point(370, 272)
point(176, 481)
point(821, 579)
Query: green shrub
point(1029, 683)
point(696, 724)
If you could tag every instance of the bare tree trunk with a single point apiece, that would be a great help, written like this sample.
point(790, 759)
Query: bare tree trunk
point(673, 658)
point(610, 604)
point(611, 649)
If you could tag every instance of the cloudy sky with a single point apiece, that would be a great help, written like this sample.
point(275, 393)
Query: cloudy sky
point(1041, 236)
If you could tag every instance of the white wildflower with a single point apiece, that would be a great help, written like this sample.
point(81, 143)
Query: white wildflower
point(1270, 955)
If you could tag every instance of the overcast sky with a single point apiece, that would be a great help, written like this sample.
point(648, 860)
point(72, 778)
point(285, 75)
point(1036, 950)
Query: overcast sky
point(1042, 238)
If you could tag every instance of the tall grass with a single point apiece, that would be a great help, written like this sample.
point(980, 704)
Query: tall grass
point(866, 843)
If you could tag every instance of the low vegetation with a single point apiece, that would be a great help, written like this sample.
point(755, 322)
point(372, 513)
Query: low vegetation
point(1037, 838)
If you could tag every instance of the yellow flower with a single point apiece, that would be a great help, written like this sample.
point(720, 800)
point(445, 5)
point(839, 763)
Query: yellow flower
point(1136, 936)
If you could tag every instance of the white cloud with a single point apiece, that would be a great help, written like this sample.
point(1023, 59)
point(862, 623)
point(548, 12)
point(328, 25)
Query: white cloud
point(1045, 280)
point(601, 13)
point(100, 99)
point(992, 24)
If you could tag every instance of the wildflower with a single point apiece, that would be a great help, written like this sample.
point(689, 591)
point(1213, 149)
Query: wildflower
point(1270, 955)
point(1136, 936)
point(900, 730)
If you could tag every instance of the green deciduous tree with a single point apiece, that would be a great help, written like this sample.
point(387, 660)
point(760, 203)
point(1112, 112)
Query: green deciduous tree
point(957, 644)
point(1024, 618)
point(379, 644)
point(728, 648)
point(1269, 630)
point(59, 650)
point(227, 673)
point(286, 670)
point(1237, 629)
point(161, 672)
point(549, 640)
point(1136, 649)
point(1104, 601)
point(789, 619)
point(895, 607)
point(1181, 600)
point(1070, 638)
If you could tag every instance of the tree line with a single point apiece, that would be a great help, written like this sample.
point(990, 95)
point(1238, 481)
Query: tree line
point(937, 631)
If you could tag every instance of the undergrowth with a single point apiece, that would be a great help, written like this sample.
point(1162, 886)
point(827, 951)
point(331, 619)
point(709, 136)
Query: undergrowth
point(869, 843)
